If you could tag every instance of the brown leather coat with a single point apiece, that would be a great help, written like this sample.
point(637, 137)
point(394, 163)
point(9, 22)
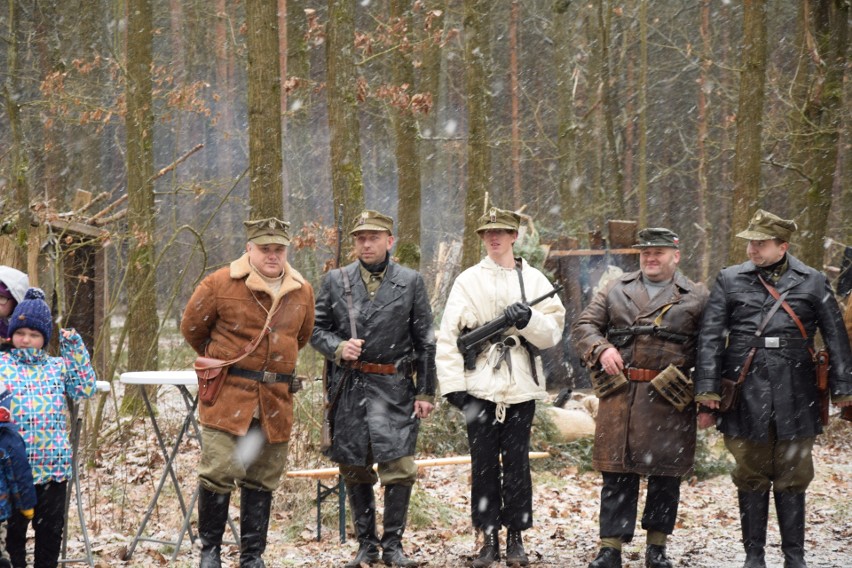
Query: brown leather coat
point(226, 312)
point(638, 431)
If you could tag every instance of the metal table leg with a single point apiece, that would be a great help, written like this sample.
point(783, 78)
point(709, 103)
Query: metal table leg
point(168, 471)
point(323, 492)
point(76, 428)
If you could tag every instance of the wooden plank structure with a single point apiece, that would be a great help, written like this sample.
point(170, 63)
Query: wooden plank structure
point(579, 270)
point(339, 489)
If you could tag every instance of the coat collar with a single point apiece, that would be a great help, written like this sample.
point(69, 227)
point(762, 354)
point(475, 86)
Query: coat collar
point(390, 289)
point(638, 294)
point(796, 272)
point(489, 264)
point(241, 268)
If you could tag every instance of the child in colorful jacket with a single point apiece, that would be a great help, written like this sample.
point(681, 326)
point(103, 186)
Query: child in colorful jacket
point(17, 492)
point(40, 385)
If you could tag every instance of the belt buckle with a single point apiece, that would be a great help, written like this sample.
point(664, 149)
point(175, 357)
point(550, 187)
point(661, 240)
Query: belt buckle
point(269, 377)
point(772, 342)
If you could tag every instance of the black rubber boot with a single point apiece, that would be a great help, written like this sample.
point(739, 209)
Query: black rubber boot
point(655, 557)
point(397, 497)
point(607, 558)
point(255, 505)
point(515, 553)
point(754, 512)
point(490, 551)
point(791, 522)
point(362, 505)
point(212, 516)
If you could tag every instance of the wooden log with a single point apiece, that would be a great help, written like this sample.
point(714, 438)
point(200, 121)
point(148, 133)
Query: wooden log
point(325, 472)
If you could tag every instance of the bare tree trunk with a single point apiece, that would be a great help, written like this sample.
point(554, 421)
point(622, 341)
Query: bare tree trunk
point(478, 104)
point(517, 196)
point(264, 110)
point(297, 142)
point(19, 160)
point(823, 115)
point(347, 182)
point(142, 320)
point(642, 183)
point(567, 128)
point(705, 237)
point(749, 123)
point(614, 186)
point(407, 157)
point(54, 149)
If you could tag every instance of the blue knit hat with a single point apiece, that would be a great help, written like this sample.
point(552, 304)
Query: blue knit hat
point(33, 313)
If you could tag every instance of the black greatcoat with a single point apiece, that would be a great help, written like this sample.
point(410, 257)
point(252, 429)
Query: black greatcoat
point(781, 384)
point(397, 327)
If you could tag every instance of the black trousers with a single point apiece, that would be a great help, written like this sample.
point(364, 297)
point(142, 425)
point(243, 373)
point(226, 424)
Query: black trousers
point(48, 522)
point(501, 494)
point(620, 499)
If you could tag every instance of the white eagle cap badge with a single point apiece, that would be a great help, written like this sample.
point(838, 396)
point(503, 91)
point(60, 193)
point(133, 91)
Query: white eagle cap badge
point(363, 219)
point(493, 214)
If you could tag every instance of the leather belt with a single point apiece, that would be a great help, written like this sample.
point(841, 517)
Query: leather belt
point(371, 368)
point(261, 376)
point(770, 342)
point(641, 375)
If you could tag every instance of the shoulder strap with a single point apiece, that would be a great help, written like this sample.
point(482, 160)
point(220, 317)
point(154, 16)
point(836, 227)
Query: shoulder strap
point(519, 269)
point(779, 301)
point(347, 291)
point(778, 298)
point(252, 345)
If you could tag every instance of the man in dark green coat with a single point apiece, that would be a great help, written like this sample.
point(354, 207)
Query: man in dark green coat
point(377, 412)
point(770, 429)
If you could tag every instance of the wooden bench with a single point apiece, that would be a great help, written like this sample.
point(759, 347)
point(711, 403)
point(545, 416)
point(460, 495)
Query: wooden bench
point(338, 488)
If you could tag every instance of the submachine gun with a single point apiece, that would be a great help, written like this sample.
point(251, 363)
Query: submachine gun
point(470, 342)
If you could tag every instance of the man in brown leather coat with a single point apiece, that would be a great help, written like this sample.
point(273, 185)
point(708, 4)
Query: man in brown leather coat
point(247, 428)
point(638, 336)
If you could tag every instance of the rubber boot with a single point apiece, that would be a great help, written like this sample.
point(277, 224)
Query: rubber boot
point(362, 504)
point(791, 522)
point(212, 516)
point(607, 558)
point(754, 513)
point(397, 497)
point(515, 553)
point(490, 551)
point(255, 506)
point(655, 557)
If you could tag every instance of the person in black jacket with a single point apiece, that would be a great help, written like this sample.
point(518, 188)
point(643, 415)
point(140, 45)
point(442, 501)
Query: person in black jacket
point(771, 427)
point(377, 411)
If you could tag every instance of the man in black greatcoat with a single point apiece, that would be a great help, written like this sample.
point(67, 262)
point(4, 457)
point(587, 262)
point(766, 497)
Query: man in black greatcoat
point(376, 414)
point(770, 429)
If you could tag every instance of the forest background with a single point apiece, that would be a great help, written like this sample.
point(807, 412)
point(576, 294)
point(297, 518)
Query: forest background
point(137, 135)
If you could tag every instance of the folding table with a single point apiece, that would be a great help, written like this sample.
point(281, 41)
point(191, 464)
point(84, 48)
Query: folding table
point(182, 380)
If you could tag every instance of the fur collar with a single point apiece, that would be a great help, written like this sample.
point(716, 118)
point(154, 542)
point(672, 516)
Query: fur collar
point(241, 268)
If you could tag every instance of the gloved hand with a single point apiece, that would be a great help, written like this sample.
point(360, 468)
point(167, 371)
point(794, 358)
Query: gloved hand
point(457, 399)
point(28, 513)
point(518, 314)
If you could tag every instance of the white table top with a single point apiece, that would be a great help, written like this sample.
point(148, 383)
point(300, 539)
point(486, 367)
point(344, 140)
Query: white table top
point(102, 386)
point(184, 378)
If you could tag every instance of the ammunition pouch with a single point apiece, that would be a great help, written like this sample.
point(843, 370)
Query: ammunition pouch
point(604, 385)
point(674, 386)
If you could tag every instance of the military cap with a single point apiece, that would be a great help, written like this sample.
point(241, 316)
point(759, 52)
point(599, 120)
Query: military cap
point(268, 231)
point(765, 225)
point(369, 220)
point(499, 219)
point(657, 237)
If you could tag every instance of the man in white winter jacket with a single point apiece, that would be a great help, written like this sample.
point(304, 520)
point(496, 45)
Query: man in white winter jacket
point(498, 396)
